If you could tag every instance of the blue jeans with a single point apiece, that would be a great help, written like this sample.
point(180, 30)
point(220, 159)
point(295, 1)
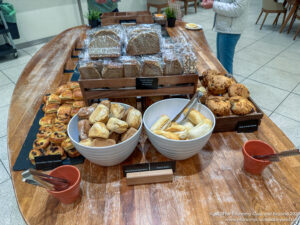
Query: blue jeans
point(225, 49)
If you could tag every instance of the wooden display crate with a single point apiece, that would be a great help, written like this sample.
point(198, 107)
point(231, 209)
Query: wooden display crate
point(126, 87)
point(142, 17)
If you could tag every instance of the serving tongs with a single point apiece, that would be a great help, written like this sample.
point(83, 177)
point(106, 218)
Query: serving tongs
point(190, 104)
point(276, 157)
point(37, 178)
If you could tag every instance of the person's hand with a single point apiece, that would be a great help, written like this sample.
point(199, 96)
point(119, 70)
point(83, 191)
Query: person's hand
point(100, 1)
point(207, 4)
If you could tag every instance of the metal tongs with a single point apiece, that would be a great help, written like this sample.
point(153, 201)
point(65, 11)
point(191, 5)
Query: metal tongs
point(190, 104)
point(276, 157)
point(37, 178)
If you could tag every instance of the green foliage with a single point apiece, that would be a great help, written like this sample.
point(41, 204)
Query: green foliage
point(93, 15)
point(170, 13)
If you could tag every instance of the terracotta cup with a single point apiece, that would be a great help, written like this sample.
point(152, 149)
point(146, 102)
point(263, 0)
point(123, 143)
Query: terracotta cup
point(72, 174)
point(256, 147)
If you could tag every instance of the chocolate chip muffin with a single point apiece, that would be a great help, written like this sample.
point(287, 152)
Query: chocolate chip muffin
point(238, 90)
point(219, 105)
point(241, 105)
point(219, 84)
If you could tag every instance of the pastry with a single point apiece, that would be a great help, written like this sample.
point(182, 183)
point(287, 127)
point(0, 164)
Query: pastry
point(200, 130)
point(45, 98)
point(195, 116)
point(57, 137)
point(42, 142)
point(72, 153)
point(143, 43)
point(98, 130)
point(166, 134)
point(188, 124)
point(115, 136)
point(53, 115)
point(66, 95)
point(72, 85)
point(44, 132)
point(128, 134)
point(106, 103)
point(162, 121)
point(78, 104)
point(241, 106)
point(54, 99)
point(36, 153)
point(64, 120)
point(117, 110)
point(112, 70)
point(87, 142)
point(51, 108)
point(134, 118)
point(175, 128)
point(56, 150)
point(89, 71)
point(77, 94)
point(61, 127)
point(83, 129)
point(219, 84)
point(85, 112)
point(238, 90)
point(46, 121)
point(100, 142)
point(219, 105)
point(74, 111)
point(61, 89)
point(116, 125)
point(64, 111)
point(67, 144)
point(100, 114)
point(152, 67)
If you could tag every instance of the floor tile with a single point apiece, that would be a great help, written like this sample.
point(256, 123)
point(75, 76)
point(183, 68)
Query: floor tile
point(3, 120)
point(6, 165)
point(277, 38)
point(9, 213)
point(6, 94)
point(14, 72)
point(239, 78)
point(297, 89)
point(254, 56)
point(3, 147)
point(3, 79)
point(244, 67)
point(10, 62)
point(261, 46)
point(290, 127)
point(290, 107)
point(277, 78)
point(266, 111)
point(33, 49)
point(285, 64)
point(265, 95)
point(3, 174)
point(243, 43)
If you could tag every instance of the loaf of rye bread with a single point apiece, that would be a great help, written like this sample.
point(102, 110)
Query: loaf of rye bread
point(104, 46)
point(132, 68)
point(152, 67)
point(89, 71)
point(173, 65)
point(112, 70)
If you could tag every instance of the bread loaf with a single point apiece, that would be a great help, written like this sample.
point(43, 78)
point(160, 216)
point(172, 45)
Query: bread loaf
point(104, 46)
point(89, 71)
point(112, 70)
point(173, 65)
point(132, 68)
point(152, 67)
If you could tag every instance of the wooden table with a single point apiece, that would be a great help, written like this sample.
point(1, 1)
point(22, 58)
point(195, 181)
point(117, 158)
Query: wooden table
point(207, 189)
point(295, 5)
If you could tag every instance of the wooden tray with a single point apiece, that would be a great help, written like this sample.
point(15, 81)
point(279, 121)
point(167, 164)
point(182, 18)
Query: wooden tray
point(126, 87)
point(123, 17)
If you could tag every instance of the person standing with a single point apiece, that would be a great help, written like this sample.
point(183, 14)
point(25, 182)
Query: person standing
point(103, 6)
point(230, 21)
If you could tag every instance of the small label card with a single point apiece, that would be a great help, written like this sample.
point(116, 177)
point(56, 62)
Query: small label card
point(146, 83)
point(247, 126)
point(48, 162)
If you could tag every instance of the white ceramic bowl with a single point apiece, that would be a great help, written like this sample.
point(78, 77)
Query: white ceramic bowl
point(173, 149)
point(104, 156)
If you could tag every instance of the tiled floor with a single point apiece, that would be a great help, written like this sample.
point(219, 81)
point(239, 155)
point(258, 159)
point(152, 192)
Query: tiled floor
point(266, 61)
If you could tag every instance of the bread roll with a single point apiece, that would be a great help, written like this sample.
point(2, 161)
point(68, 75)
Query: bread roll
point(86, 142)
point(199, 130)
point(129, 133)
point(100, 114)
point(168, 135)
point(134, 118)
point(175, 128)
point(83, 129)
point(188, 124)
point(160, 123)
point(183, 135)
point(115, 136)
point(85, 112)
point(106, 103)
point(116, 125)
point(117, 110)
point(195, 116)
point(100, 142)
point(98, 130)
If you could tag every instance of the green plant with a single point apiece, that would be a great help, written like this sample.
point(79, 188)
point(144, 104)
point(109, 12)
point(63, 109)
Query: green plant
point(170, 13)
point(93, 15)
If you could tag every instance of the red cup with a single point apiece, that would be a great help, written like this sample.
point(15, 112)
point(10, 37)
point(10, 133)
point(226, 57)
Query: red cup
point(256, 147)
point(72, 174)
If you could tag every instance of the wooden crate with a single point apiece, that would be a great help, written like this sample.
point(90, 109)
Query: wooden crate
point(126, 87)
point(142, 17)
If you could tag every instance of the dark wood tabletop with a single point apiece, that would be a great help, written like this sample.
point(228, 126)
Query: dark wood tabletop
point(209, 188)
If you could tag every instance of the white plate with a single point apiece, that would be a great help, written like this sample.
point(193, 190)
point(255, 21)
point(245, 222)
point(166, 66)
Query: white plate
point(199, 27)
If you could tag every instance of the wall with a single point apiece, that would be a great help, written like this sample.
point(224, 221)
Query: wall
point(43, 18)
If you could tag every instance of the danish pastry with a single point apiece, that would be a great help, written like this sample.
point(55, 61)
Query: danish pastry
point(54, 99)
point(64, 111)
point(56, 150)
point(42, 142)
point(57, 137)
point(129, 133)
point(62, 120)
point(61, 89)
point(67, 144)
point(98, 130)
point(44, 132)
point(72, 85)
point(36, 153)
point(134, 118)
point(116, 125)
point(117, 110)
point(100, 114)
point(72, 153)
point(78, 104)
point(77, 94)
point(66, 95)
point(238, 90)
point(83, 129)
point(241, 106)
point(61, 127)
point(51, 108)
point(46, 121)
point(74, 111)
point(219, 105)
